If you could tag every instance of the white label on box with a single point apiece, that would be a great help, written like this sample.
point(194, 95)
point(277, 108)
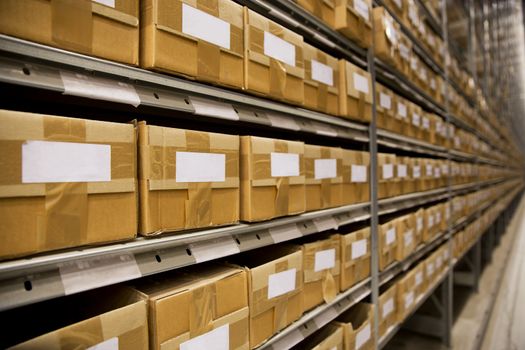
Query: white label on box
point(445, 254)
point(438, 127)
point(92, 273)
point(388, 171)
point(388, 307)
point(439, 262)
point(110, 344)
point(284, 164)
point(210, 250)
point(284, 233)
point(413, 63)
point(200, 167)
point(281, 283)
point(279, 49)
point(360, 83)
point(385, 101)
point(419, 224)
point(325, 168)
point(50, 162)
point(362, 337)
point(430, 39)
point(430, 169)
point(430, 269)
point(437, 172)
point(217, 339)
point(214, 109)
point(361, 7)
point(99, 88)
point(110, 3)
point(408, 237)
point(402, 109)
point(358, 173)
point(433, 84)
point(426, 123)
point(419, 278)
point(416, 119)
point(285, 122)
point(324, 259)
point(416, 171)
point(401, 170)
point(390, 236)
point(398, 3)
point(430, 220)
point(322, 73)
point(359, 248)
point(404, 51)
point(204, 26)
point(438, 217)
point(423, 73)
point(409, 299)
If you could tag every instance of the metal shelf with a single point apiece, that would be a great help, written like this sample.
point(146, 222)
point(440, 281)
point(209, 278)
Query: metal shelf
point(30, 64)
point(393, 140)
point(47, 275)
point(431, 20)
point(405, 201)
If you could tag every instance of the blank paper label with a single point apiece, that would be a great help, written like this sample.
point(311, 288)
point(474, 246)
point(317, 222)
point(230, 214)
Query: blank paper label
point(402, 110)
point(429, 169)
point(426, 123)
point(284, 164)
point(281, 283)
point(360, 83)
point(284, 233)
point(408, 237)
point(430, 269)
point(214, 109)
point(385, 101)
point(419, 278)
point(358, 173)
point(362, 337)
point(419, 224)
point(361, 8)
point(390, 236)
point(359, 248)
point(205, 26)
point(322, 73)
point(409, 299)
point(325, 259)
point(437, 172)
point(110, 3)
point(388, 171)
point(401, 170)
point(50, 162)
point(438, 217)
point(200, 167)
point(416, 171)
point(325, 168)
point(416, 119)
point(430, 221)
point(439, 262)
point(388, 307)
point(110, 344)
point(279, 49)
point(219, 339)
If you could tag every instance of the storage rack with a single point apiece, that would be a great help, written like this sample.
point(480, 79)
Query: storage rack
point(31, 280)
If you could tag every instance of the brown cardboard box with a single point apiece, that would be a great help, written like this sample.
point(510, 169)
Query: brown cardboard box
point(388, 243)
point(330, 337)
point(358, 324)
point(61, 178)
point(387, 309)
point(355, 92)
point(208, 301)
point(431, 228)
point(87, 27)
point(402, 119)
point(428, 174)
point(420, 283)
point(386, 36)
point(440, 217)
point(110, 318)
point(404, 58)
point(321, 81)
point(398, 6)
point(416, 174)
point(427, 133)
point(264, 196)
point(385, 110)
point(211, 51)
point(420, 225)
point(355, 257)
point(322, 268)
point(406, 295)
point(353, 19)
point(386, 170)
point(275, 288)
point(430, 270)
point(185, 178)
point(356, 182)
point(324, 10)
point(406, 226)
point(273, 59)
point(415, 114)
point(402, 176)
point(323, 177)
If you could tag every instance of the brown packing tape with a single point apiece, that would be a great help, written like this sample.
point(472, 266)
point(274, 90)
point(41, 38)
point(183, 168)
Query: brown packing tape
point(283, 184)
point(202, 309)
point(329, 287)
point(326, 184)
point(361, 106)
point(277, 68)
point(280, 309)
point(72, 25)
point(208, 54)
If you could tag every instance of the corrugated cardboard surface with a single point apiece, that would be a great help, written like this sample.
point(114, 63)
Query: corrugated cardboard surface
point(354, 104)
point(403, 182)
point(421, 288)
point(166, 47)
point(349, 22)
point(168, 205)
point(386, 36)
point(320, 286)
point(263, 196)
point(388, 252)
point(391, 318)
point(354, 270)
point(318, 95)
point(384, 114)
point(268, 76)
point(323, 193)
point(406, 225)
point(37, 217)
point(195, 301)
point(355, 192)
point(387, 187)
point(406, 286)
point(354, 321)
point(82, 26)
point(330, 337)
point(325, 10)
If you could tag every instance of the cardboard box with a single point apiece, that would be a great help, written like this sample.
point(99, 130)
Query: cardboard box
point(388, 243)
point(321, 81)
point(275, 289)
point(185, 178)
point(323, 177)
point(273, 59)
point(408, 242)
point(402, 119)
point(402, 175)
point(420, 283)
point(324, 10)
point(357, 324)
point(386, 36)
point(322, 268)
point(355, 92)
point(430, 270)
point(398, 6)
point(387, 309)
point(88, 27)
point(420, 224)
point(386, 174)
point(431, 228)
point(209, 302)
point(355, 257)
point(415, 171)
point(211, 51)
point(415, 129)
point(353, 19)
point(427, 134)
point(330, 337)
point(385, 109)
point(428, 174)
point(356, 165)
point(61, 178)
point(272, 178)
point(406, 295)
point(404, 59)
point(107, 318)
